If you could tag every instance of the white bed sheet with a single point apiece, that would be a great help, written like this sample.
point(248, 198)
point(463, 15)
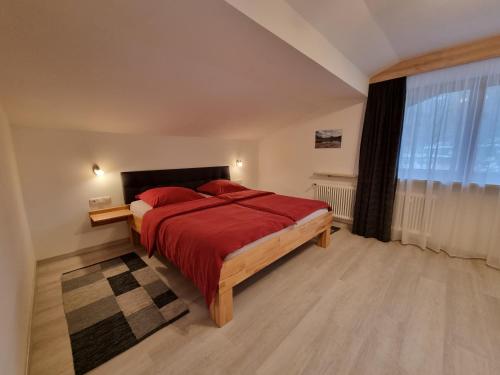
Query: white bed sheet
point(139, 208)
point(251, 245)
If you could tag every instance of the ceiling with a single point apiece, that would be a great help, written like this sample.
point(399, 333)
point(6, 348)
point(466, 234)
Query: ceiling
point(376, 33)
point(202, 68)
point(190, 67)
point(351, 28)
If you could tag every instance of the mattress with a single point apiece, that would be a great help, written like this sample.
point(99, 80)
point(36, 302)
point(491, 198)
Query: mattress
point(139, 209)
point(251, 245)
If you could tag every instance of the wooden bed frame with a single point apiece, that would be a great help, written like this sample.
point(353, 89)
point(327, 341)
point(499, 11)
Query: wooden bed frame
point(242, 266)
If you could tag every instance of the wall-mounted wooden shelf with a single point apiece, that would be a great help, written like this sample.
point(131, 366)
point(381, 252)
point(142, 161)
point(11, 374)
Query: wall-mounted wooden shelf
point(110, 215)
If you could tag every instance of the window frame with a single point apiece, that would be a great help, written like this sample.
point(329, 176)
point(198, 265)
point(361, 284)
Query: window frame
point(474, 118)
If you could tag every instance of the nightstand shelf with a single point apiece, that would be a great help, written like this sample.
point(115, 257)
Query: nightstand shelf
point(109, 215)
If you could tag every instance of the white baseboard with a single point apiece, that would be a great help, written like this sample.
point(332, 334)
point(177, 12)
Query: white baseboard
point(86, 250)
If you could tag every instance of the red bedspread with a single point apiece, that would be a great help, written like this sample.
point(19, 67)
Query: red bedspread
point(291, 207)
point(196, 236)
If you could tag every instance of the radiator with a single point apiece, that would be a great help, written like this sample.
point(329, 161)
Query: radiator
point(411, 207)
point(340, 196)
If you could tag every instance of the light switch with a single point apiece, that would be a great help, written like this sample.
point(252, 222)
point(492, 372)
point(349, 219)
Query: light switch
point(99, 202)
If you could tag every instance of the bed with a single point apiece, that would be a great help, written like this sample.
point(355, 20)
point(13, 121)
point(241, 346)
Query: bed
point(246, 260)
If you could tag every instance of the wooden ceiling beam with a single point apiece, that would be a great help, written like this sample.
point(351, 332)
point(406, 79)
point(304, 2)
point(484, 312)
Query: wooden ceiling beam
point(461, 54)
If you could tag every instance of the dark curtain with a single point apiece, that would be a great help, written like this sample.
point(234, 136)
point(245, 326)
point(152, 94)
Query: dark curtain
point(378, 159)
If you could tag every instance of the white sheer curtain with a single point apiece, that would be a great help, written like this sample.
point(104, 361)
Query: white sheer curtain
point(448, 195)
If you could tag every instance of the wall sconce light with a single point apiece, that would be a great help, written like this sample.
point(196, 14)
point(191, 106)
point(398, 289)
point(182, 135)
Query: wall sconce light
point(97, 171)
point(239, 163)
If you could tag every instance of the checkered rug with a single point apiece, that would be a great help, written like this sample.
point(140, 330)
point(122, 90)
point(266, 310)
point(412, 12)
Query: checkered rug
point(113, 305)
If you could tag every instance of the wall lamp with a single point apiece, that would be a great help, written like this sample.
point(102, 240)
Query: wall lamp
point(239, 163)
point(97, 171)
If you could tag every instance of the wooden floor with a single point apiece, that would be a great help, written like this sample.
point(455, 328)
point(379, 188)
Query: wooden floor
point(359, 307)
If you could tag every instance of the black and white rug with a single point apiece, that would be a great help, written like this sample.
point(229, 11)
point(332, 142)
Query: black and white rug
point(113, 305)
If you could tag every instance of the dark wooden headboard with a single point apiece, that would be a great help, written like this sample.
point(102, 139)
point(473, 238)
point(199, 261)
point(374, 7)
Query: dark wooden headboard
point(138, 181)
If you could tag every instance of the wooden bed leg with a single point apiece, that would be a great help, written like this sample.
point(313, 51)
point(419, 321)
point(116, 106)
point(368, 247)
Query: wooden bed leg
point(131, 233)
point(221, 309)
point(324, 238)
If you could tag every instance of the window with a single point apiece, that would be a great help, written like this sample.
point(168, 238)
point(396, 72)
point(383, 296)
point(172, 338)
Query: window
point(451, 130)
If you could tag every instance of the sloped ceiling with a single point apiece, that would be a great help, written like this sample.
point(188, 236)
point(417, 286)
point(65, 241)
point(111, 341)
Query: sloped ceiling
point(414, 27)
point(190, 67)
point(203, 68)
point(282, 20)
point(350, 26)
point(374, 34)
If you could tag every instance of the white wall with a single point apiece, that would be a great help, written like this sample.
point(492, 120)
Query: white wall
point(17, 267)
point(287, 158)
point(57, 181)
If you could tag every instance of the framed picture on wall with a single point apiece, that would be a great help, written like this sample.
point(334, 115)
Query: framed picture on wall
point(331, 138)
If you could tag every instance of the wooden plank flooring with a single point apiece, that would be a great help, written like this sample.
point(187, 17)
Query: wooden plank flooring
point(359, 307)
